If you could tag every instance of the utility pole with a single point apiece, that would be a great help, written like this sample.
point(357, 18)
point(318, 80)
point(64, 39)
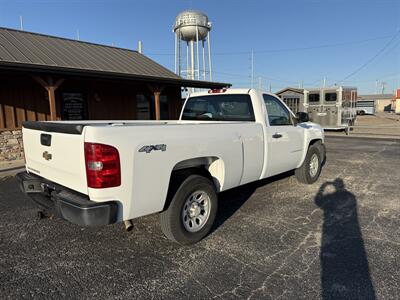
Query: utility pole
point(383, 87)
point(77, 35)
point(260, 87)
point(376, 86)
point(324, 82)
point(270, 88)
point(21, 23)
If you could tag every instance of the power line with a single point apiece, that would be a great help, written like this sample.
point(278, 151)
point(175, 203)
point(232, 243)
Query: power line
point(258, 75)
point(371, 59)
point(290, 49)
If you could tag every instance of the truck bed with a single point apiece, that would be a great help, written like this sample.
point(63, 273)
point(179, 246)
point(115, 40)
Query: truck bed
point(73, 127)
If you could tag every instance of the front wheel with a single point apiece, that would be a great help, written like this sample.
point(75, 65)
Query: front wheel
point(191, 212)
point(310, 170)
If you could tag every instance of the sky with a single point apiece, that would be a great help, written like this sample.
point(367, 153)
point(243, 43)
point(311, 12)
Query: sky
point(294, 42)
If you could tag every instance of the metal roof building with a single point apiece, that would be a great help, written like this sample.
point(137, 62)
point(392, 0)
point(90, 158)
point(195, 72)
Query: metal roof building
point(20, 50)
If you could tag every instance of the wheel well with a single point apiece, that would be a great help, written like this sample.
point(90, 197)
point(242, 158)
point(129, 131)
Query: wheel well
point(179, 175)
point(321, 147)
point(312, 142)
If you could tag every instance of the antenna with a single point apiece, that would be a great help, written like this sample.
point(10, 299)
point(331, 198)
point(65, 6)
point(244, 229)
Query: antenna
point(21, 22)
point(77, 35)
point(252, 68)
point(140, 47)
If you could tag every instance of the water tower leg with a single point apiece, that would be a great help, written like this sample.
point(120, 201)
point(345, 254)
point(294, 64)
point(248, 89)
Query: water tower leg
point(176, 53)
point(209, 54)
point(192, 59)
point(197, 53)
point(179, 55)
point(204, 61)
point(187, 60)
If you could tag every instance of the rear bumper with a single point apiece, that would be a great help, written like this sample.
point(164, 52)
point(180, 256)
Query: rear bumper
point(67, 204)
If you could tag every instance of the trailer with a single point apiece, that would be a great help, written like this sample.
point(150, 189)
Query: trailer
point(332, 107)
point(365, 107)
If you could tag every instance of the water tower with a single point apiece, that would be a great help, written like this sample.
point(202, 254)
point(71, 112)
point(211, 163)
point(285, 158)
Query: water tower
point(193, 28)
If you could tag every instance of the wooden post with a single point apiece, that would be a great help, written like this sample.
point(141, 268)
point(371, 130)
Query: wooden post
point(51, 88)
point(2, 120)
point(157, 104)
point(156, 92)
point(52, 102)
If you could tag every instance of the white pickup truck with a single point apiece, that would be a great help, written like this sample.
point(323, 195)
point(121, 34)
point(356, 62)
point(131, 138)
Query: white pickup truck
point(103, 172)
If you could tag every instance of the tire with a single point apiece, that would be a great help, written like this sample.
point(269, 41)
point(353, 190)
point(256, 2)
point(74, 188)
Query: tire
point(191, 229)
point(306, 174)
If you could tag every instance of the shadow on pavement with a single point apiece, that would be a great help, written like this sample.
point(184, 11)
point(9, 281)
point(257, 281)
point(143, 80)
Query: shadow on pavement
point(230, 201)
point(344, 264)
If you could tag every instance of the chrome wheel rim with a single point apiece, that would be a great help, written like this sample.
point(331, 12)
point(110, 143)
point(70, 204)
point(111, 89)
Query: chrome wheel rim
point(314, 165)
point(195, 211)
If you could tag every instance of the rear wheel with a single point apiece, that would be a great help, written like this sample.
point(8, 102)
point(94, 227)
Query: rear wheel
point(191, 212)
point(310, 170)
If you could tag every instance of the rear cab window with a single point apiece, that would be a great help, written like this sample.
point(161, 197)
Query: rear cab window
point(229, 107)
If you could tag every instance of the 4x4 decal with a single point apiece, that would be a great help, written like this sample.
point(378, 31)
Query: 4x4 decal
point(149, 148)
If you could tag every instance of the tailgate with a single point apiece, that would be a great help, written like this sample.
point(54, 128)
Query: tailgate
point(56, 156)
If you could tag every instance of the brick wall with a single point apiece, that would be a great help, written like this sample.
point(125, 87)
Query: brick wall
point(11, 145)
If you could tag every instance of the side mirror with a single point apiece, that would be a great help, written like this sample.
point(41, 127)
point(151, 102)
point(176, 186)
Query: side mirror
point(302, 117)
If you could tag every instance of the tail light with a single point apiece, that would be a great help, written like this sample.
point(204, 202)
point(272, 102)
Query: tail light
point(103, 169)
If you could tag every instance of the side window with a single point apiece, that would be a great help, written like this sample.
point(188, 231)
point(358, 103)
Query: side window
point(278, 114)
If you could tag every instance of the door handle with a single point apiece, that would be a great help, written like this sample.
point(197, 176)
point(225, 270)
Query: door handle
point(277, 136)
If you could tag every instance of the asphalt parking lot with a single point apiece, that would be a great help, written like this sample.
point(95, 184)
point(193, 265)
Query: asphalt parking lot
point(336, 239)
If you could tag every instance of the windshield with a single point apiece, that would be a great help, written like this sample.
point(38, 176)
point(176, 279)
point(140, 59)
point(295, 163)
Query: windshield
point(229, 107)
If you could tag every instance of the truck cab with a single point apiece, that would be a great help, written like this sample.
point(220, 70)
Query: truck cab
point(285, 137)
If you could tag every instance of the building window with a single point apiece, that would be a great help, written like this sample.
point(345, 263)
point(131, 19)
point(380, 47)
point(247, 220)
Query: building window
point(143, 111)
point(164, 112)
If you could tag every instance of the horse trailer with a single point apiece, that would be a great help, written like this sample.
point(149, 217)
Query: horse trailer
point(332, 107)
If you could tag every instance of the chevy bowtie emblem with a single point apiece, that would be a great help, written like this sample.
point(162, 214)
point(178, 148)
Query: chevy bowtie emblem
point(47, 155)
